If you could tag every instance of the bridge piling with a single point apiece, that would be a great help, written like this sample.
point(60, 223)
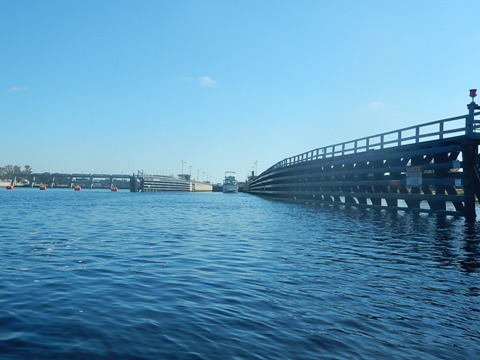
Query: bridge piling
point(470, 155)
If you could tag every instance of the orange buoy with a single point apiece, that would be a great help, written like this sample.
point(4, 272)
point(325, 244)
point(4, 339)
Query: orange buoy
point(10, 187)
point(43, 187)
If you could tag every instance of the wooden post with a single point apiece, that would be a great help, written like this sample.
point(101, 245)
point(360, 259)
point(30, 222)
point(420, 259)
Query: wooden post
point(469, 154)
point(469, 180)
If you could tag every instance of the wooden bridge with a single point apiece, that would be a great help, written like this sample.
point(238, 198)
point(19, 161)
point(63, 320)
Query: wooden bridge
point(432, 167)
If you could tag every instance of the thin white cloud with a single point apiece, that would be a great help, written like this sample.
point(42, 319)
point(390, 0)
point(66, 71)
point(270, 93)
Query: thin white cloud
point(17, 89)
point(374, 105)
point(207, 81)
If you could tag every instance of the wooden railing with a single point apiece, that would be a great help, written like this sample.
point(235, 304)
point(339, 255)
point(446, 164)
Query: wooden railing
point(435, 130)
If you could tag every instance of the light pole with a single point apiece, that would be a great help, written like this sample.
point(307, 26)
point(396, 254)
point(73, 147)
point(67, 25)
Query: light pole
point(183, 162)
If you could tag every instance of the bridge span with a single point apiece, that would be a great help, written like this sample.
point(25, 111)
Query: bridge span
point(135, 183)
point(431, 167)
point(63, 180)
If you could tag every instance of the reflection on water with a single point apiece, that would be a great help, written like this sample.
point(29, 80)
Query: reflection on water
point(471, 248)
point(456, 241)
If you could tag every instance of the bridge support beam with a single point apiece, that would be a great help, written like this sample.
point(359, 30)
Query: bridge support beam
point(469, 184)
point(470, 154)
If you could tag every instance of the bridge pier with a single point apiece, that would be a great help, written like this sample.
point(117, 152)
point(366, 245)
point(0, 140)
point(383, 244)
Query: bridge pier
point(470, 154)
point(470, 181)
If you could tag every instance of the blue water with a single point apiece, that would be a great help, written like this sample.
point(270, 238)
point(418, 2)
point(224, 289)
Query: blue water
point(103, 275)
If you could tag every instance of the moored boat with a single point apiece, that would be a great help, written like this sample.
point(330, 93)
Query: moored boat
point(230, 183)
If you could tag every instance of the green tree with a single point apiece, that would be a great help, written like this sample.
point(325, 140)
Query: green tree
point(8, 170)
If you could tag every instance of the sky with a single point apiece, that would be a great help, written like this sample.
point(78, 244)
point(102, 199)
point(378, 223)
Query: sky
point(206, 87)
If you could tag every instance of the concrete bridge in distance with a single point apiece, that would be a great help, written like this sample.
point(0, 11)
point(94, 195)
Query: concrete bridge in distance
point(134, 183)
point(62, 180)
point(431, 167)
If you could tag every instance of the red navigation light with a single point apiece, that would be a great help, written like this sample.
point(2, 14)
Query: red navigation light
point(473, 93)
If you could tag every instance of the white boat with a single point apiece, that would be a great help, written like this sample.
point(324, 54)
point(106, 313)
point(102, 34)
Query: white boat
point(230, 183)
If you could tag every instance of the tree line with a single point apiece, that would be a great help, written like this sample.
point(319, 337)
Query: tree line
point(8, 170)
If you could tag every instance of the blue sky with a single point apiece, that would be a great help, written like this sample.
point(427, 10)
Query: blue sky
point(118, 86)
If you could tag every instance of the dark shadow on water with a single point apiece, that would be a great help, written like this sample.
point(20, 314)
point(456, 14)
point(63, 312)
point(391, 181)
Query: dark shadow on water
point(455, 240)
point(471, 247)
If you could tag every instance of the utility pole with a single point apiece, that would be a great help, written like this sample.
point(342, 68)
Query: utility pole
point(183, 162)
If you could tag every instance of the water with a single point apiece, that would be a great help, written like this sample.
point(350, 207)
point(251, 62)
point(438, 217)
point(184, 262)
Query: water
point(103, 275)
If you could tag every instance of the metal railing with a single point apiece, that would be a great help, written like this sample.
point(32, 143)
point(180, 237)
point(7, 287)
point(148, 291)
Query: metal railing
point(435, 130)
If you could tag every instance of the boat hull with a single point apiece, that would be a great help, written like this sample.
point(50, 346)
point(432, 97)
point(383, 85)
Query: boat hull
point(230, 189)
point(230, 184)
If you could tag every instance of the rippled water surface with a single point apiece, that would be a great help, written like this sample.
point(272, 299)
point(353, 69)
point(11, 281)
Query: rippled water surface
point(102, 275)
